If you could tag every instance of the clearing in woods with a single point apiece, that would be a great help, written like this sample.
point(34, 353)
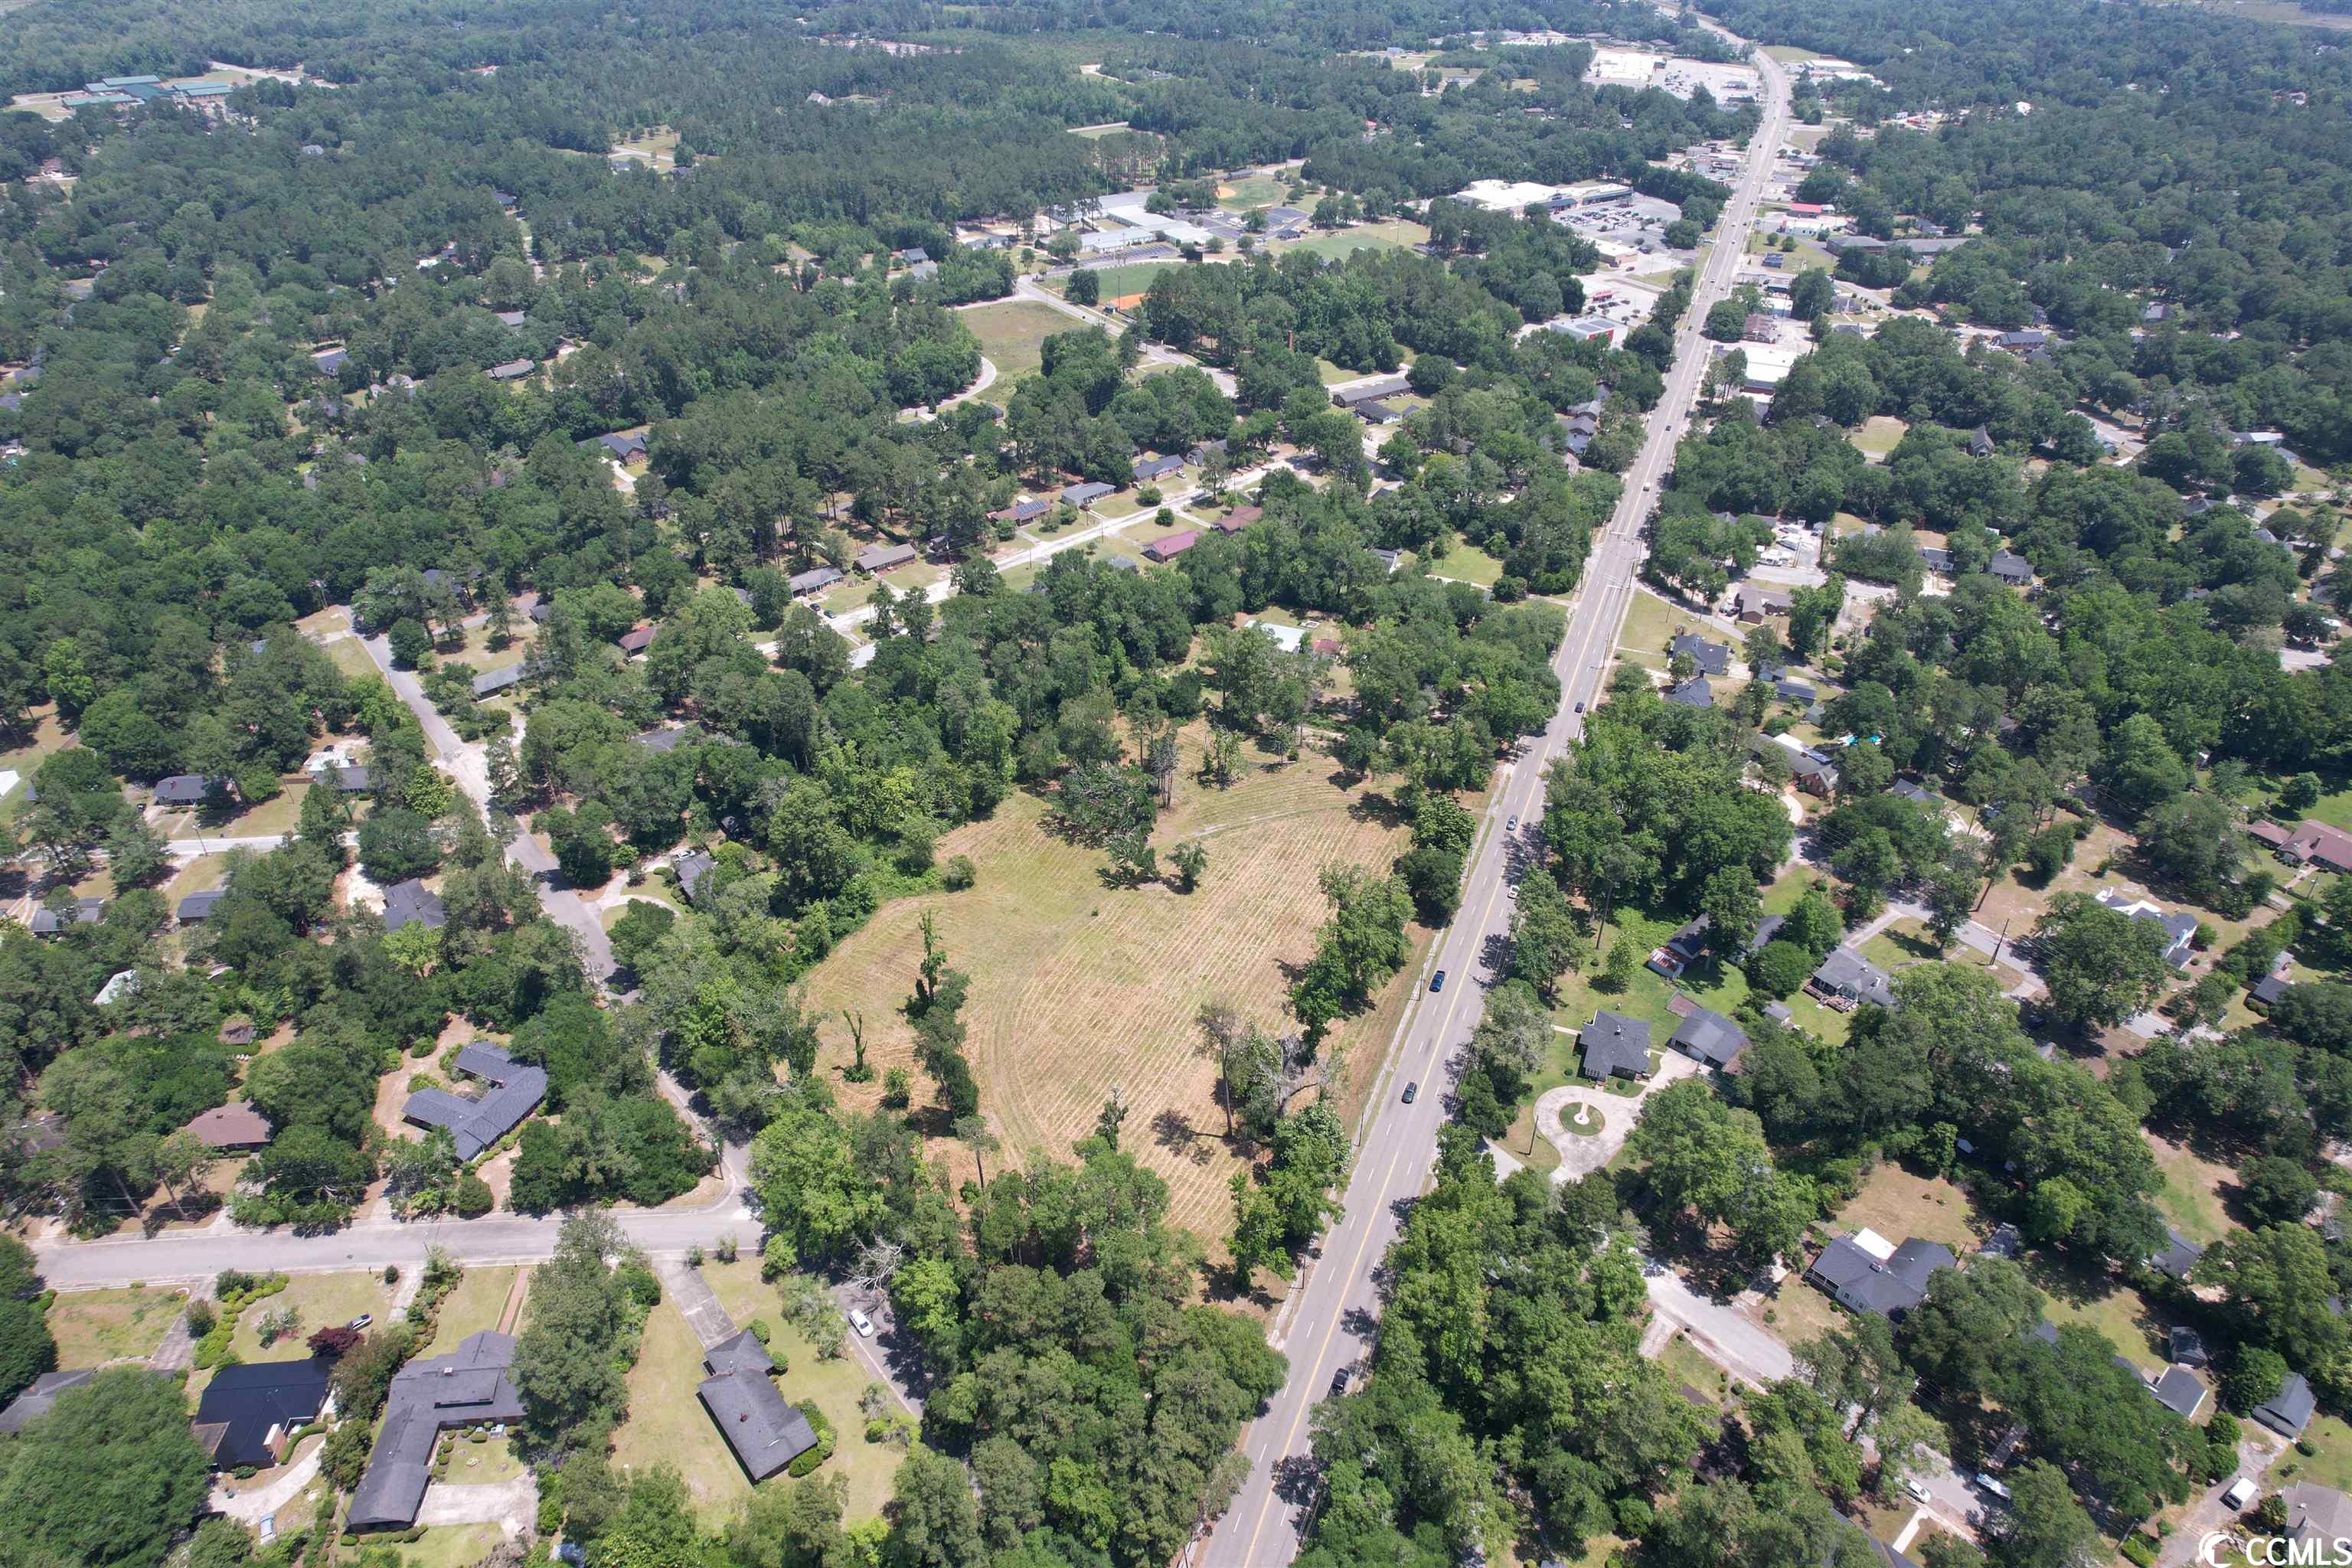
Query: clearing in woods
point(1076, 986)
point(1013, 335)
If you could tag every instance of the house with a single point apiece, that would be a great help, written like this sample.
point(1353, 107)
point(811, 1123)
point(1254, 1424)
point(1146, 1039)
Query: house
point(352, 779)
point(1241, 516)
point(1692, 693)
point(2178, 1390)
point(328, 361)
point(199, 906)
point(621, 447)
point(637, 639)
point(1372, 392)
point(1175, 544)
point(85, 912)
point(497, 681)
point(1859, 1274)
point(1711, 657)
point(670, 740)
point(477, 1122)
point(2288, 1411)
point(693, 870)
point(764, 1431)
point(1753, 604)
point(1127, 564)
point(1937, 559)
point(2314, 1513)
point(1083, 495)
point(1758, 328)
point(1797, 691)
point(2178, 1257)
point(251, 1410)
point(923, 269)
point(1846, 976)
point(37, 1400)
point(1615, 1046)
point(913, 255)
point(1374, 412)
point(1981, 443)
point(1915, 792)
point(2014, 570)
point(2270, 992)
point(1021, 511)
point(1710, 1038)
point(1680, 950)
point(187, 789)
point(512, 369)
point(472, 1386)
point(511, 320)
point(876, 559)
point(2318, 844)
point(412, 902)
point(814, 580)
point(1157, 468)
point(2179, 928)
point(237, 1126)
point(1813, 771)
point(1203, 451)
point(2019, 341)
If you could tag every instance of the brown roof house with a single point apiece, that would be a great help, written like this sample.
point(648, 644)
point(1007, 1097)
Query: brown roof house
point(237, 1126)
point(2316, 844)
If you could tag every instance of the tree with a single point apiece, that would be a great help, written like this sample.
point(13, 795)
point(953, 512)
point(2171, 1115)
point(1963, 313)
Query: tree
point(110, 1477)
point(410, 642)
point(1546, 940)
point(811, 1190)
point(934, 1523)
point(1190, 862)
point(396, 844)
point(2102, 966)
point(564, 1365)
point(2277, 1190)
point(1085, 287)
point(26, 1348)
point(1700, 1154)
point(2045, 1528)
point(136, 853)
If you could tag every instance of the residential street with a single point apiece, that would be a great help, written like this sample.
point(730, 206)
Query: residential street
point(1333, 1317)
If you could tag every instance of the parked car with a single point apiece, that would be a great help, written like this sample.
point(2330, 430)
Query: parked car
point(2242, 1492)
point(861, 1323)
point(1339, 1383)
point(1991, 1487)
point(1918, 1492)
point(363, 1321)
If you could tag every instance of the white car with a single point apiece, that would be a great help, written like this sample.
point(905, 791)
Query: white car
point(861, 1323)
point(2239, 1494)
point(1918, 1492)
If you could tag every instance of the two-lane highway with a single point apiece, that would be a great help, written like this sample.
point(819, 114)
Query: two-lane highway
point(1334, 1321)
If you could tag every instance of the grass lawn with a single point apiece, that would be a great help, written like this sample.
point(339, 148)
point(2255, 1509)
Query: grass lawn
point(1799, 1312)
point(2331, 1466)
point(47, 736)
point(1391, 235)
point(1683, 1361)
point(2335, 810)
point(1879, 435)
point(452, 1546)
point(1899, 945)
point(326, 1300)
point(2192, 1198)
point(94, 1327)
point(278, 816)
point(1468, 563)
point(475, 1305)
point(1257, 191)
point(834, 1384)
point(667, 1424)
point(1078, 986)
point(1789, 54)
point(1651, 622)
point(482, 1463)
point(2096, 1300)
point(856, 589)
point(1899, 1205)
point(1013, 334)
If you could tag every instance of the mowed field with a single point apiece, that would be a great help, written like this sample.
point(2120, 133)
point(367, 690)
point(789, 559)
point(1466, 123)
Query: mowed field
point(1078, 985)
point(1013, 335)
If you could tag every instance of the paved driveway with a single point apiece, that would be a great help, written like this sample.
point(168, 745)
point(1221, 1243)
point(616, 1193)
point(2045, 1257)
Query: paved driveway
point(1582, 1154)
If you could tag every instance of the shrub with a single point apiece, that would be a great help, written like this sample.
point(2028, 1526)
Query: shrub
point(2140, 1550)
point(693, 1256)
point(761, 1332)
point(877, 1429)
point(202, 1316)
point(807, 1463)
point(959, 873)
point(472, 1198)
point(727, 1248)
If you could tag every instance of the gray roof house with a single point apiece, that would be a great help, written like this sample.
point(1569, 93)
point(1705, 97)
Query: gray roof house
point(1083, 495)
point(185, 789)
point(2179, 927)
point(1981, 443)
point(1157, 468)
point(512, 369)
point(1712, 1039)
point(814, 579)
point(621, 447)
point(2314, 1513)
point(765, 1432)
point(1864, 1284)
point(1711, 657)
point(411, 901)
point(1847, 975)
point(199, 906)
point(2179, 1391)
point(2290, 1410)
point(470, 1385)
point(1615, 1046)
point(1692, 693)
point(693, 870)
point(516, 1090)
point(2178, 1257)
point(497, 681)
point(36, 1401)
point(85, 912)
point(884, 557)
point(670, 740)
point(2012, 569)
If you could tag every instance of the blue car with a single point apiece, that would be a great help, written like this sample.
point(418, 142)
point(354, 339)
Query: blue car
point(1437, 981)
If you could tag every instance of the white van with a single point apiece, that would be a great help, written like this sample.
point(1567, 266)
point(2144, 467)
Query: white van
point(1991, 1487)
point(2241, 1493)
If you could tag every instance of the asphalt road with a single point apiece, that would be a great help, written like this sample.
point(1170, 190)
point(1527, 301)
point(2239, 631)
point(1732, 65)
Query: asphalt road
point(1335, 1316)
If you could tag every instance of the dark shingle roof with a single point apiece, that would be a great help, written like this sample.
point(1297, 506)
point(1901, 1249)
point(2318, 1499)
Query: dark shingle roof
point(1865, 1284)
point(1846, 973)
point(470, 1384)
point(2178, 1257)
point(1613, 1043)
point(36, 1400)
point(413, 900)
point(2288, 1411)
point(1710, 1038)
point(765, 1432)
point(243, 1403)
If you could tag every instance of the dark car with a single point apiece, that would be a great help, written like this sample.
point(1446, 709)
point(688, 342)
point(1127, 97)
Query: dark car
point(1579, 708)
point(1437, 981)
point(1411, 1090)
point(1339, 1383)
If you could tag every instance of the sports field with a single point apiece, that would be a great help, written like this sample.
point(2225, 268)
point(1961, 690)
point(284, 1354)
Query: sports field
point(1394, 234)
point(1078, 986)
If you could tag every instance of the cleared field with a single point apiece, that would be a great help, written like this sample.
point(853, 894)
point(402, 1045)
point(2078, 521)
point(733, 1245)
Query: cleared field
point(1391, 235)
point(1257, 191)
point(1132, 278)
point(1899, 1205)
point(2192, 1198)
point(1468, 563)
point(1013, 334)
point(1879, 435)
point(1078, 986)
point(94, 1327)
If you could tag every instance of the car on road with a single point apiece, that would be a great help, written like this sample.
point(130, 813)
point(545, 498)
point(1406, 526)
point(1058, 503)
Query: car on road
point(1339, 1383)
point(1579, 708)
point(1512, 826)
point(362, 1322)
point(1412, 1091)
point(1437, 981)
point(861, 1323)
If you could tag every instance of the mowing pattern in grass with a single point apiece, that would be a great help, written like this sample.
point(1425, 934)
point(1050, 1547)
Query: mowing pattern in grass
point(1013, 335)
point(1078, 986)
point(473, 1306)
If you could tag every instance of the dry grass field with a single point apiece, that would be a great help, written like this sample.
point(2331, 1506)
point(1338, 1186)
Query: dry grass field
point(1078, 985)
